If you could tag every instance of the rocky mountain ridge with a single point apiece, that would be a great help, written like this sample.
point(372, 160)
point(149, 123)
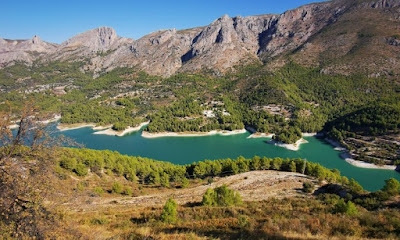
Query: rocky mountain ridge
point(220, 46)
point(23, 50)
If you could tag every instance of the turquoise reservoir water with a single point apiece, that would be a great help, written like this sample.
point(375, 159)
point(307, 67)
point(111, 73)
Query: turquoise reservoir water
point(184, 150)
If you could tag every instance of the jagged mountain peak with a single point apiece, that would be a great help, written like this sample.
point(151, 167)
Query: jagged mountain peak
point(36, 40)
point(96, 39)
point(223, 18)
point(23, 50)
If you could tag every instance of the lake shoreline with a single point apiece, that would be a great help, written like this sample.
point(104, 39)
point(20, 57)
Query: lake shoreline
point(293, 146)
point(255, 134)
point(348, 158)
point(112, 132)
point(13, 126)
point(261, 135)
point(106, 130)
point(55, 118)
point(66, 127)
point(192, 134)
point(346, 155)
point(101, 130)
point(183, 151)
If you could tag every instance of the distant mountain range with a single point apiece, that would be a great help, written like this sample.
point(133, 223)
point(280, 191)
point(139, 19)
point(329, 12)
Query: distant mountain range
point(340, 36)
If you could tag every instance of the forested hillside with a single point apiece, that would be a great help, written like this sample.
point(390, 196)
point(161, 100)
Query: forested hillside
point(286, 102)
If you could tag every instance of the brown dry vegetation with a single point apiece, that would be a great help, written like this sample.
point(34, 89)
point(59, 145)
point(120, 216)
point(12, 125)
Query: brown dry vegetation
point(274, 208)
point(253, 186)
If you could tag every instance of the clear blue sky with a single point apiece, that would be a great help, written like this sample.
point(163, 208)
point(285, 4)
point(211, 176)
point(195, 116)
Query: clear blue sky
point(58, 20)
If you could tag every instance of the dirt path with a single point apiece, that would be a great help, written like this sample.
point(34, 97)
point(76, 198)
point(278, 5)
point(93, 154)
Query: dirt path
point(253, 186)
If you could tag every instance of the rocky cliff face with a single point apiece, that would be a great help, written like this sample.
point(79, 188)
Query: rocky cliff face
point(220, 46)
point(158, 53)
point(295, 27)
point(225, 43)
